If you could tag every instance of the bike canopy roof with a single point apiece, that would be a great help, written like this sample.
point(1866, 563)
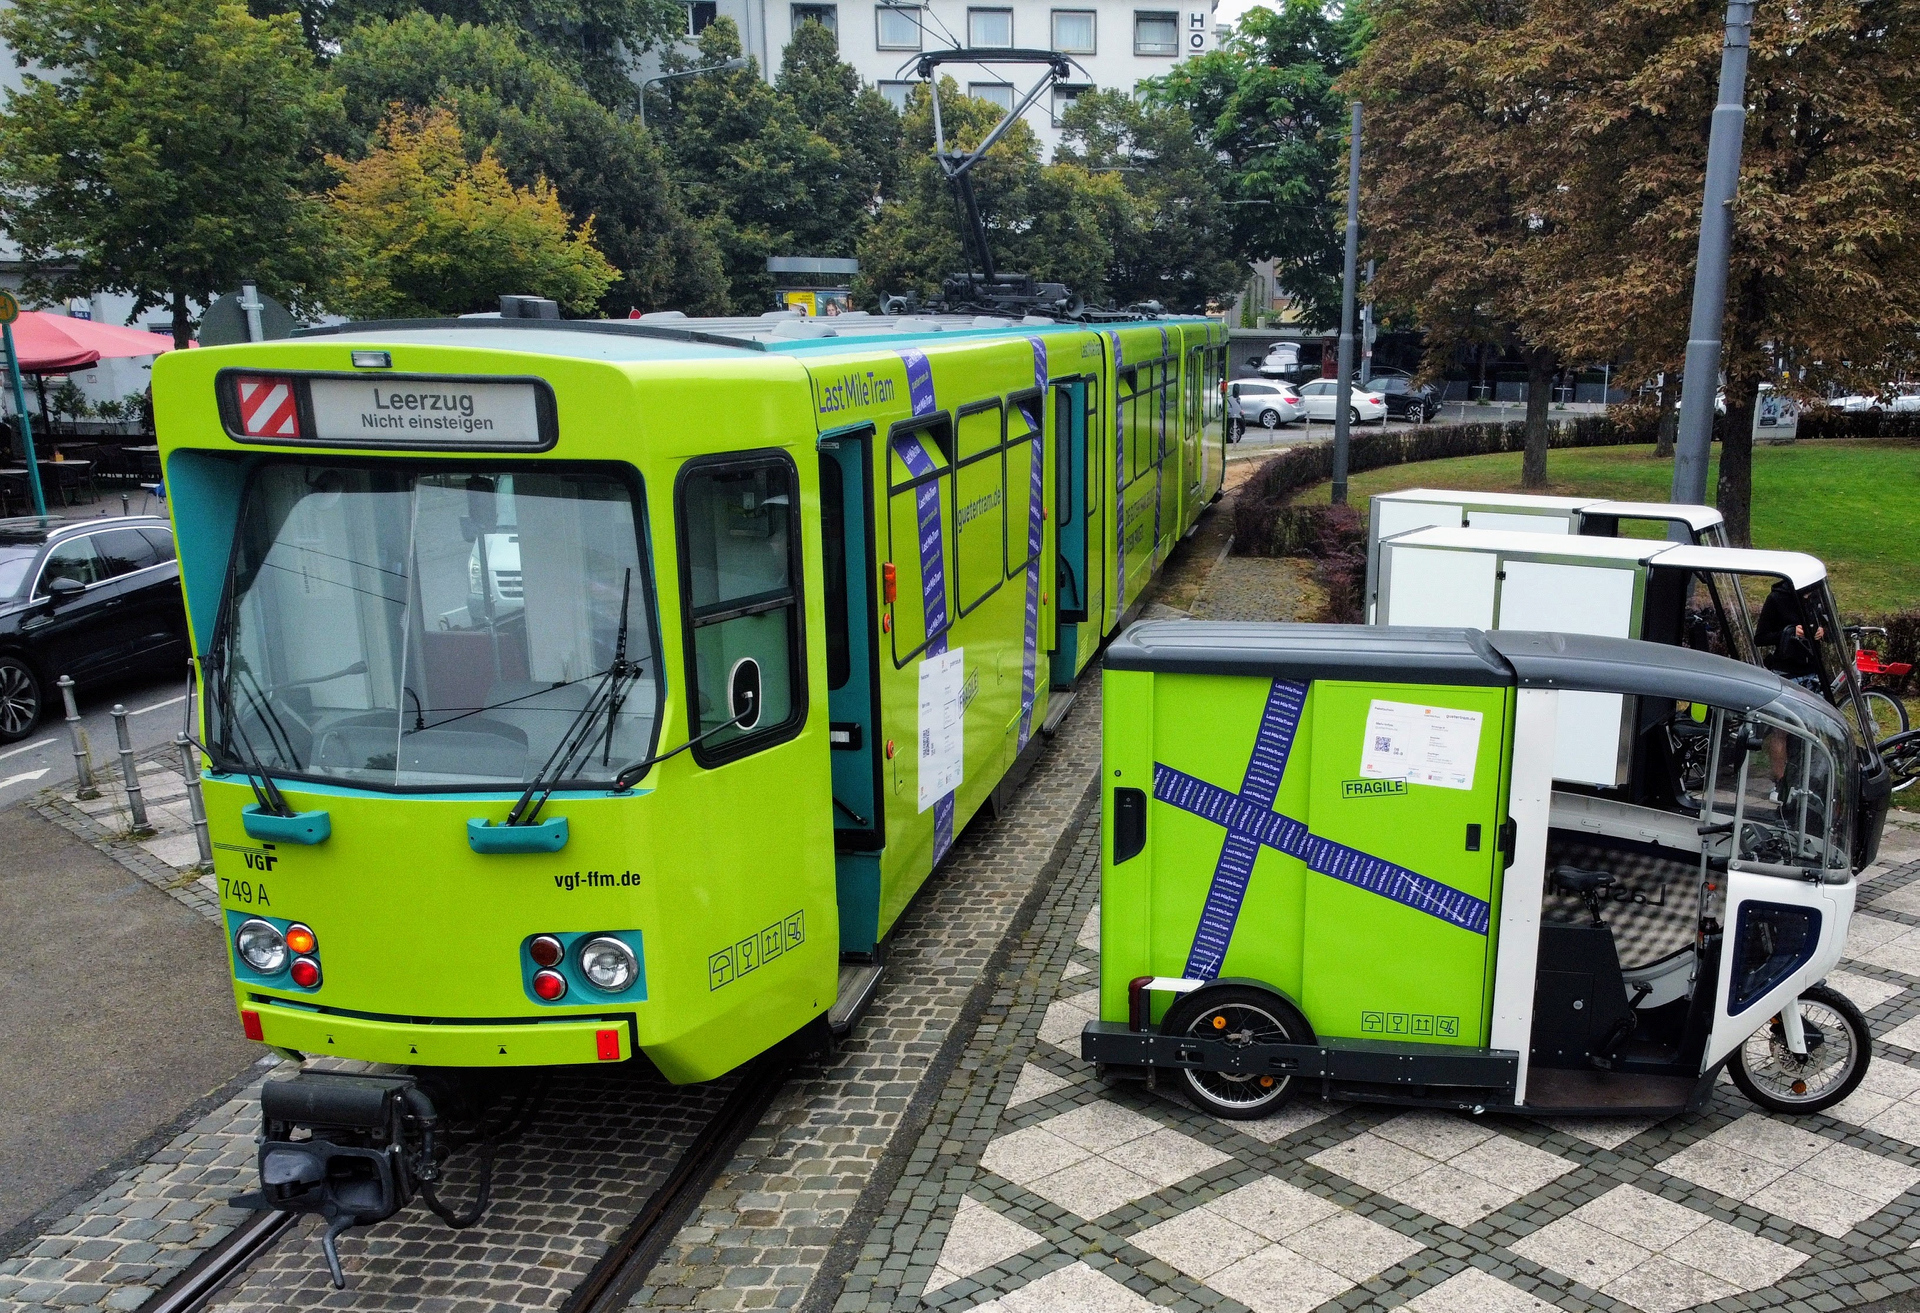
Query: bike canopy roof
point(1394, 654)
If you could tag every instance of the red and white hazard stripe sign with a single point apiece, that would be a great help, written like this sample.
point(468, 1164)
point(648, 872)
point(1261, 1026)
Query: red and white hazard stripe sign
point(267, 408)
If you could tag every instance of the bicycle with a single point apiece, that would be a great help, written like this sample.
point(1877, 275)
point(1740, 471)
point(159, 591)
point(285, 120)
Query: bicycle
point(1901, 753)
point(1887, 713)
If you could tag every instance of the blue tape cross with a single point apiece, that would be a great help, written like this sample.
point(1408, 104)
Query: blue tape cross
point(1251, 824)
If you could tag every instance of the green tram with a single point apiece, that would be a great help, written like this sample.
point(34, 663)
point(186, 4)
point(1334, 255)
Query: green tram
point(578, 689)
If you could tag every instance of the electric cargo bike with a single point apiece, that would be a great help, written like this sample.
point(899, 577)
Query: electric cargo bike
point(1339, 863)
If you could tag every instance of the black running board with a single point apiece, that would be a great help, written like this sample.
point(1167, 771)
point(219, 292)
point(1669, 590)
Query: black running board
point(859, 981)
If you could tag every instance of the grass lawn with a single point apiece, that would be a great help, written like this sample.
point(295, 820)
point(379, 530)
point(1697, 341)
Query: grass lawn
point(1855, 505)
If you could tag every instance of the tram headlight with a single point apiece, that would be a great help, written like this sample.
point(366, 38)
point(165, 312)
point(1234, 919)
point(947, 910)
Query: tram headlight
point(261, 947)
point(608, 964)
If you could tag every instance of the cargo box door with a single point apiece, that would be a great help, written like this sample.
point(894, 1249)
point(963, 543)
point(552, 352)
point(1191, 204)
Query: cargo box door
point(1406, 798)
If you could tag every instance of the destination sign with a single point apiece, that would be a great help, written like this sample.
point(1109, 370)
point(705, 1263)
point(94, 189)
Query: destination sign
point(353, 411)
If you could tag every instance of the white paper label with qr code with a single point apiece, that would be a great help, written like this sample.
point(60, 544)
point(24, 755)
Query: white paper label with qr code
point(1421, 745)
point(943, 727)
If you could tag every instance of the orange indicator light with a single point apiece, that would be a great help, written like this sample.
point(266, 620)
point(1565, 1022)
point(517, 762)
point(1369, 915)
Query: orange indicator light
point(300, 939)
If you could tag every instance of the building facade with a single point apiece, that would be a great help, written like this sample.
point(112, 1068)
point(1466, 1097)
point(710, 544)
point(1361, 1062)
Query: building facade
point(1116, 44)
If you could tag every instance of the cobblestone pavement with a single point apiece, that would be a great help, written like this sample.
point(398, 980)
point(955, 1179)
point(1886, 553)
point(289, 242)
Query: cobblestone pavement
point(1037, 1189)
point(777, 1222)
point(1260, 588)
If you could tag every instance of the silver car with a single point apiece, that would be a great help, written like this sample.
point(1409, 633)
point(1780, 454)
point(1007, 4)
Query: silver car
point(1261, 402)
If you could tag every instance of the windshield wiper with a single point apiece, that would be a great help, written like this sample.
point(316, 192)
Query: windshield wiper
point(265, 791)
point(581, 732)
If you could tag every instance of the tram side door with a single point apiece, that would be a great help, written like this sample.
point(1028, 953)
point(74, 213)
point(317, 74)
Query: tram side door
point(853, 698)
point(1071, 586)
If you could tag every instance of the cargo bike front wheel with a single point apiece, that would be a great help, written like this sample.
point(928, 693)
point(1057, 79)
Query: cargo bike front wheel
point(1838, 1045)
point(1237, 1014)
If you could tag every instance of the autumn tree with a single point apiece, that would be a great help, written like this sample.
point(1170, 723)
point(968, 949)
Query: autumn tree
point(168, 152)
point(1824, 281)
point(540, 123)
point(1453, 165)
point(424, 231)
point(1266, 102)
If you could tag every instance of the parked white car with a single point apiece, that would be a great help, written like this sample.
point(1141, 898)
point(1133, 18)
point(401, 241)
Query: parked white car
point(1252, 401)
point(1857, 403)
point(1907, 402)
point(1319, 397)
point(1282, 358)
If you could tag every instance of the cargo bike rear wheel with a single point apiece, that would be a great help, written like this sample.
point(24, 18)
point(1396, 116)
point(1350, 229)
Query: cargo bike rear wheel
point(1238, 1014)
point(1839, 1046)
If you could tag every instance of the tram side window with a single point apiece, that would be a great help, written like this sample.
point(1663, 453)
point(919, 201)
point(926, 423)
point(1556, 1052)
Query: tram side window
point(742, 597)
point(979, 549)
point(1023, 427)
point(919, 523)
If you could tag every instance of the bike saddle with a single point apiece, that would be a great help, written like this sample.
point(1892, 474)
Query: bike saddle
point(1579, 880)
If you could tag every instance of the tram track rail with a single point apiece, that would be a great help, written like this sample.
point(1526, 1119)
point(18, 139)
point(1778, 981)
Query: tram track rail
point(629, 1256)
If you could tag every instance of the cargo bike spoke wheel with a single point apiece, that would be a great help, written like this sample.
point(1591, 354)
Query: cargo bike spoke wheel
point(1839, 1047)
point(1240, 1016)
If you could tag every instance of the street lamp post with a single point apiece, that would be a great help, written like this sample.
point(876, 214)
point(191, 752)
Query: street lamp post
point(1694, 441)
point(1343, 391)
point(733, 65)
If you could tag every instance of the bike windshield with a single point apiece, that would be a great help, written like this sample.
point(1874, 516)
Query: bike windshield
point(1788, 777)
point(416, 627)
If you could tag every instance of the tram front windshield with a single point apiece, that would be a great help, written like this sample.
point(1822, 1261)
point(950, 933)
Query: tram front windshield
point(398, 626)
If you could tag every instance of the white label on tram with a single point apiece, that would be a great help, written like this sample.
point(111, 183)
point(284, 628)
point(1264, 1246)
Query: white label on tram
point(943, 727)
point(1420, 744)
point(352, 410)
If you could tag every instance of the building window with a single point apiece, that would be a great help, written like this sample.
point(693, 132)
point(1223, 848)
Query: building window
point(897, 93)
point(828, 16)
point(990, 29)
point(1156, 33)
point(699, 14)
point(1073, 31)
point(897, 26)
point(998, 93)
point(1063, 98)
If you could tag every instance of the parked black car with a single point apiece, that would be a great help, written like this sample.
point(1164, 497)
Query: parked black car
point(1404, 400)
point(94, 599)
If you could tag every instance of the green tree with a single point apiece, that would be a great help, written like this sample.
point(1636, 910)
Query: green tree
point(595, 41)
point(1267, 103)
point(829, 98)
point(761, 179)
point(540, 123)
point(168, 154)
point(1050, 222)
point(425, 232)
point(1172, 240)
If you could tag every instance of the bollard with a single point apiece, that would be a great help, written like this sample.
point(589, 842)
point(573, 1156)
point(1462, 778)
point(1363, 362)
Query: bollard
point(190, 771)
point(136, 803)
point(126, 503)
point(82, 769)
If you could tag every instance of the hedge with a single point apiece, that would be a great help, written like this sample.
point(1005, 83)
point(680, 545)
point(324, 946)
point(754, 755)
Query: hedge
point(1261, 498)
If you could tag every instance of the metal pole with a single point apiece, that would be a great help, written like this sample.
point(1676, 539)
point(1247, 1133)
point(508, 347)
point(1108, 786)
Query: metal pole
point(82, 769)
point(1367, 332)
point(190, 772)
point(250, 302)
point(131, 773)
point(1343, 391)
point(1694, 442)
point(26, 427)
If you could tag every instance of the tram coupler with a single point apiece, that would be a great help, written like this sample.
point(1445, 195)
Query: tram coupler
point(368, 1145)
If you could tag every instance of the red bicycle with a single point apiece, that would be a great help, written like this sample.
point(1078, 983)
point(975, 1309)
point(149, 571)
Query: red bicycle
point(1886, 711)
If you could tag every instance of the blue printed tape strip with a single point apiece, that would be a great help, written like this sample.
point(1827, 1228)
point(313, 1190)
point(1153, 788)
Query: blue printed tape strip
point(933, 555)
point(1036, 534)
point(1119, 483)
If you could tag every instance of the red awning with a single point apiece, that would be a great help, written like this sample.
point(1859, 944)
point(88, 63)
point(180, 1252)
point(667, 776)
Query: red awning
point(54, 344)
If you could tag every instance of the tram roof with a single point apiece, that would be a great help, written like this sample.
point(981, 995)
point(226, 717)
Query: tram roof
point(671, 335)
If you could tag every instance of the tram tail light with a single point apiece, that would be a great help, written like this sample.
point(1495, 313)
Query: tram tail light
point(545, 950)
point(549, 985)
point(305, 972)
point(250, 1024)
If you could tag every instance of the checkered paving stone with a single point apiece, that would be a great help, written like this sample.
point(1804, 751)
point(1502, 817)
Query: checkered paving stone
point(1037, 1187)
